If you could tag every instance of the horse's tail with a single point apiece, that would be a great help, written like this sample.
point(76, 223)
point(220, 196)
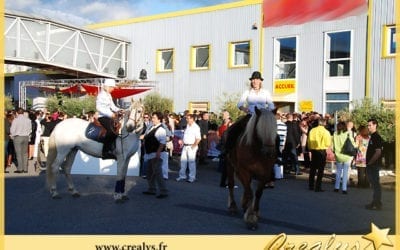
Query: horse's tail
point(51, 156)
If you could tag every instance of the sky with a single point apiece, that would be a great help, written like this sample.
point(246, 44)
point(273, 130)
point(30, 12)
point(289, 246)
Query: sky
point(84, 12)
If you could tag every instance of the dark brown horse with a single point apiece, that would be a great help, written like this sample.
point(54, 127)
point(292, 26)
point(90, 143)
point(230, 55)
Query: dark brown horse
point(252, 158)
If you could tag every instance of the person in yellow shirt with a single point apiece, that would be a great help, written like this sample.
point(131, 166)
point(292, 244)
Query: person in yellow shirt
point(319, 139)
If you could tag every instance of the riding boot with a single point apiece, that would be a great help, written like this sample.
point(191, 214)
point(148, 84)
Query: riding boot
point(107, 151)
point(120, 186)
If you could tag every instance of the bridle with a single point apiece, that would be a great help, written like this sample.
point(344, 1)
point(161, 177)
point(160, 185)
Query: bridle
point(136, 116)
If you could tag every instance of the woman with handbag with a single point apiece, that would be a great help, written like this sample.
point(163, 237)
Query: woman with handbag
point(343, 160)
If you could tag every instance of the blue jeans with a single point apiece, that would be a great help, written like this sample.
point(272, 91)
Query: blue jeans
point(342, 172)
point(373, 178)
point(291, 156)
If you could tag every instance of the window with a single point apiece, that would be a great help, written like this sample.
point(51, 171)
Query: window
point(239, 54)
point(165, 60)
point(199, 106)
point(389, 41)
point(285, 58)
point(200, 57)
point(338, 54)
point(336, 102)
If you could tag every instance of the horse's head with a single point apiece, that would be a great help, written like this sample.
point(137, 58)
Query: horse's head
point(135, 118)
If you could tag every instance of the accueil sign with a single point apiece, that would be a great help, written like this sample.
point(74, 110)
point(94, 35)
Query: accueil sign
point(286, 86)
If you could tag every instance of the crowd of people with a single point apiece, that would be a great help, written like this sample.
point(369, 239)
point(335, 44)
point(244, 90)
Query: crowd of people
point(308, 136)
point(26, 132)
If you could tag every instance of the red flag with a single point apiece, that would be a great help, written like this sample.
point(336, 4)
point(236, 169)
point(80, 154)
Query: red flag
point(118, 92)
point(289, 12)
point(124, 92)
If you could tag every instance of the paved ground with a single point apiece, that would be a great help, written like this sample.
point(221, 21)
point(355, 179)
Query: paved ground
point(191, 208)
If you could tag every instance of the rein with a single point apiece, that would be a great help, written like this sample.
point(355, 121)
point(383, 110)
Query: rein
point(136, 118)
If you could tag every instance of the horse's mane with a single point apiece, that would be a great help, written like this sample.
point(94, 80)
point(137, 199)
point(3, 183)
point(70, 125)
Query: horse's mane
point(261, 126)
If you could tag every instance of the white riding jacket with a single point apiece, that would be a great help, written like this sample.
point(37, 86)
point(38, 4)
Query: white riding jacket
point(258, 99)
point(105, 104)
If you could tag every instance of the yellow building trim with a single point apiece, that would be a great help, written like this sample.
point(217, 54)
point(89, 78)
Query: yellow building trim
point(397, 141)
point(231, 55)
point(174, 14)
point(193, 57)
point(368, 52)
point(199, 106)
point(385, 41)
point(160, 69)
point(261, 63)
point(2, 125)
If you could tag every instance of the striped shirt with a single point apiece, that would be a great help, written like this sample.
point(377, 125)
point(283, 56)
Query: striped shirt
point(282, 131)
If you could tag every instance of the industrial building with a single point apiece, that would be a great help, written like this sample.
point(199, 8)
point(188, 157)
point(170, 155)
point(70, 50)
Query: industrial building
point(199, 56)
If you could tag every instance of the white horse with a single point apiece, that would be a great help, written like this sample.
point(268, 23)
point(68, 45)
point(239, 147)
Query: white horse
point(69, 136)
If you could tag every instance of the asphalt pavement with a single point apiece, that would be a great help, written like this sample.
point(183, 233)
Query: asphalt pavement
point(190, 208)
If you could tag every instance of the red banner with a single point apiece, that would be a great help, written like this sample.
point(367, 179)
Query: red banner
point(118, 92)
point(74, 89)
point(292, 12)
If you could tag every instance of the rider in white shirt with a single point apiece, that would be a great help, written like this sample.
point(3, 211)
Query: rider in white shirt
point(256, 96)
point(107, 112)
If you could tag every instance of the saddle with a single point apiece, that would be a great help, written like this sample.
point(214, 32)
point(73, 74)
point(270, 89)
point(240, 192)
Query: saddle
point(95, 131)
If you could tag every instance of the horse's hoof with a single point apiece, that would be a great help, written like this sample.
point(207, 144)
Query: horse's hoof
point(120, 198)
point(76, 195)
point(120, 201)
point(74, 192)
point(232, 211)
point(56, 197)
point(252, 226)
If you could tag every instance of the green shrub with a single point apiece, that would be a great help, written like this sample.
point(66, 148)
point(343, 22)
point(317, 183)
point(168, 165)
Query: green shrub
point(365, 109)
point(74, 106)
point(8, 105)
point(229, 102)
point(155, 102)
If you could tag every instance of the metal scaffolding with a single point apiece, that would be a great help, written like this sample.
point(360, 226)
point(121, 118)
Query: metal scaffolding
point(62, 83)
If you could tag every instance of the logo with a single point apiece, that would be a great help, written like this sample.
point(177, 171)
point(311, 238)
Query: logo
point(374, 240)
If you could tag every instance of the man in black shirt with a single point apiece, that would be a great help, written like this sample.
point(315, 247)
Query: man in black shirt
point(154, 143)
point(48, 124)
point(204, 124)
point(292, 142)
point(374, 163)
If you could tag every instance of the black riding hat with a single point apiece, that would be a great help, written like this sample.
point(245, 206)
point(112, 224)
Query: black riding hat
point(256, 75)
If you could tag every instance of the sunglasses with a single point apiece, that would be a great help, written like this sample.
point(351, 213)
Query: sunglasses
point(146, 117)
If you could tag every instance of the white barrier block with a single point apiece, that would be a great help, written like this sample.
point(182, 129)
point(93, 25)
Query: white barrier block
point(89, 165)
